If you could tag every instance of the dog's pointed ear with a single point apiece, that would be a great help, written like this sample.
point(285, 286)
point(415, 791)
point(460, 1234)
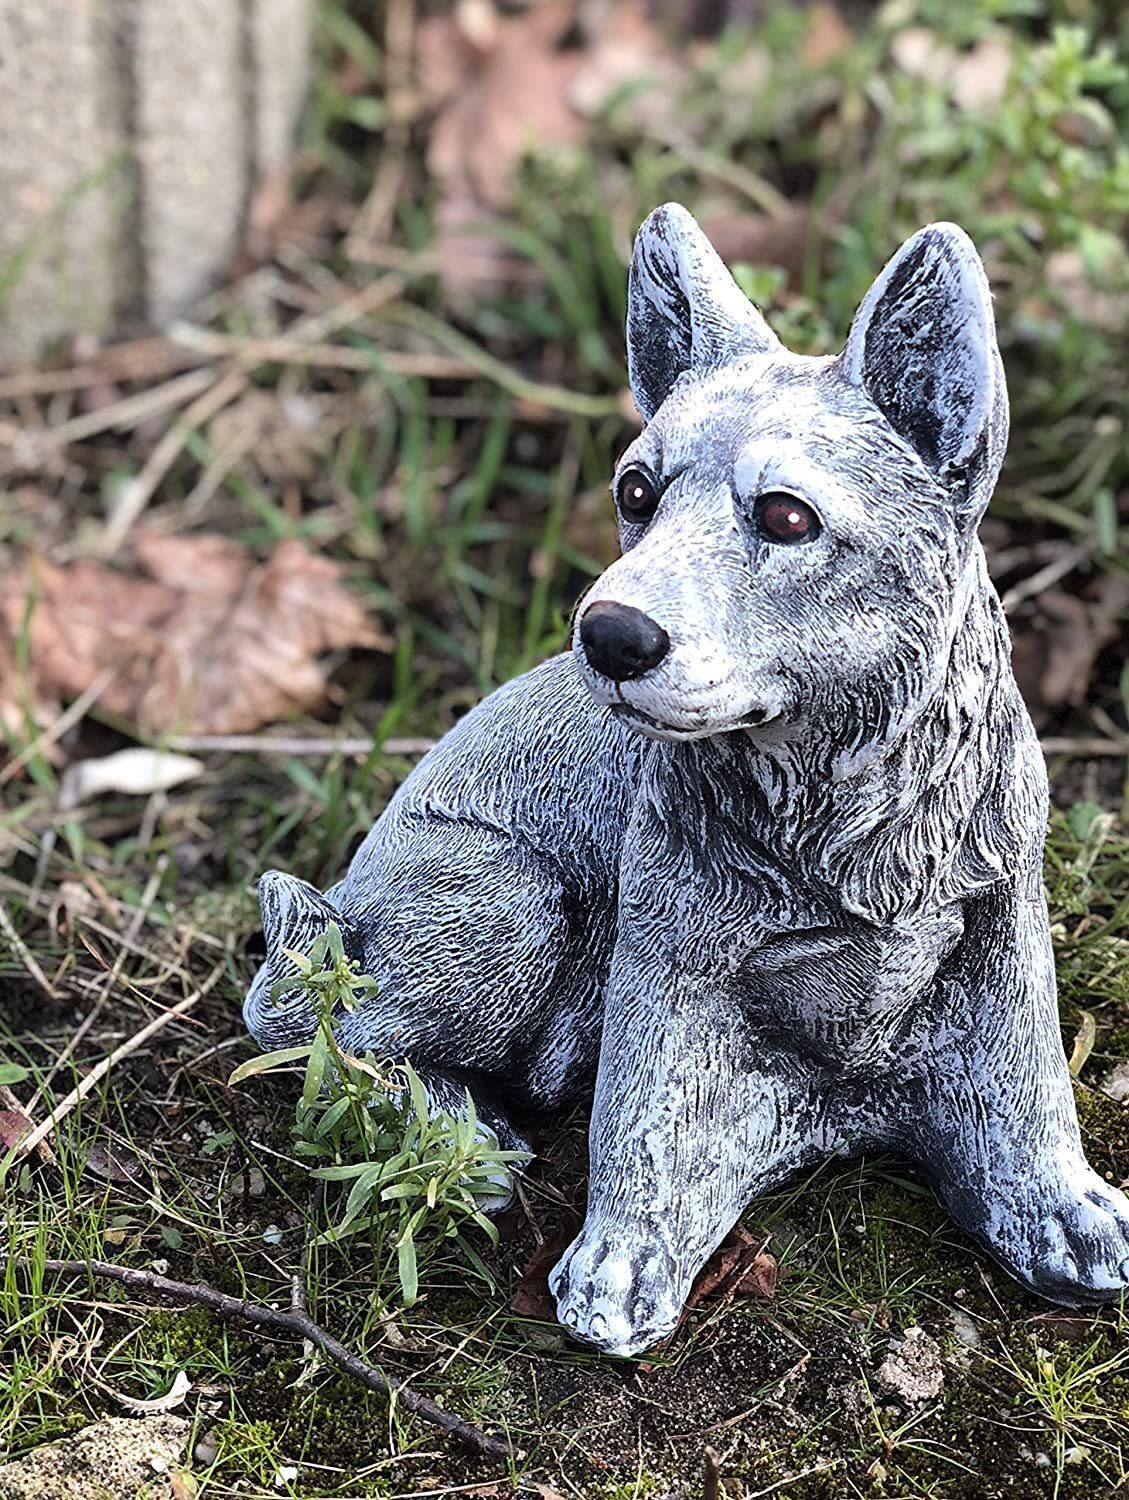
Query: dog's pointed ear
point(684, 310)
point(923, 348)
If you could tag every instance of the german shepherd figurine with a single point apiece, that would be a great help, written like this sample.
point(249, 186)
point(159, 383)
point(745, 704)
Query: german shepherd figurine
point(761, 855)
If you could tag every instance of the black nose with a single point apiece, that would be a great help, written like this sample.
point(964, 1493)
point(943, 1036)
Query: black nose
point(621, 642)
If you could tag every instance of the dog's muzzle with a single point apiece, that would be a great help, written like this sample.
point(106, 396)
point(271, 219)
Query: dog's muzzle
point(621, 642)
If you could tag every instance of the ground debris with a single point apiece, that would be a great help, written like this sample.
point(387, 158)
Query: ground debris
point(913, 1369)
point(740, 1267)
point(201, 637)
point(118, 1458)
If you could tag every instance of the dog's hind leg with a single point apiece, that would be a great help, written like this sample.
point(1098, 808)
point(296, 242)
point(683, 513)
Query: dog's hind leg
point(294, 915)
point(991, 1113)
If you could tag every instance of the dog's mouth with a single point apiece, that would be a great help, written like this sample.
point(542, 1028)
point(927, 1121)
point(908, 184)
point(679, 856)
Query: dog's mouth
point(657, 729)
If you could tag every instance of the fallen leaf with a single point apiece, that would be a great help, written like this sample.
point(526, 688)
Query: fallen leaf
point(1054, 650)
point(137, 772)
point(1102, 303)
point(740, 1267)
point(112, 1164)
point(531, 1296)
point(172, 1398)
point(1083, 1043)
point(1116, 1084)
point(502, 97)
point(631, 62)
point(976, 78)
point(13, 1128)
point(827, 37)
point(210, 641)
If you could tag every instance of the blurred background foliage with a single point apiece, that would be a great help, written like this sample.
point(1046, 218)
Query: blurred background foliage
point(810, 141)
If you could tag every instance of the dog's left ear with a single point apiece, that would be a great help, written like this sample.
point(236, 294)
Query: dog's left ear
point(684, 310)
point(923, 348)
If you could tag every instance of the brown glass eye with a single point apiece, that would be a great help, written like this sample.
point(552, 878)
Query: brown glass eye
point(637, 497)
point(783, 518)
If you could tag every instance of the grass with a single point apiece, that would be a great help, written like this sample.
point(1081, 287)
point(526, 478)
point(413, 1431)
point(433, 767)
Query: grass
point(472, 513)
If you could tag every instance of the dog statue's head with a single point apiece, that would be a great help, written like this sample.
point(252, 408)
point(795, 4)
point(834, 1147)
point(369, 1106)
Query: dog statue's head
point(796, 532)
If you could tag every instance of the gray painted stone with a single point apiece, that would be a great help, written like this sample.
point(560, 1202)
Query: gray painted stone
point(133, 133)
point(758, 862)
point(58, 187)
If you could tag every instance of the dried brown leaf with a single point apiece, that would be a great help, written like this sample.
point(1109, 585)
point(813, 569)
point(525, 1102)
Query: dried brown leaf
point(1055, 652)
point(205, 640)
point(740, 1267)
point(828, 36)
point(498, 104)
point(629, 56)
point(13, 1127)
point(531, 1297)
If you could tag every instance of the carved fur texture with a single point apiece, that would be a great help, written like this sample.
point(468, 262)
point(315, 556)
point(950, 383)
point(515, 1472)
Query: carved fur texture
point(760, 857)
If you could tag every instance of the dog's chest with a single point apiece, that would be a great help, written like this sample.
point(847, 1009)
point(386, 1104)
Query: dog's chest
point(850, 998)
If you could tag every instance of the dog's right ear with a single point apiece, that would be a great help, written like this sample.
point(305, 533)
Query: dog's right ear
point(684, 310)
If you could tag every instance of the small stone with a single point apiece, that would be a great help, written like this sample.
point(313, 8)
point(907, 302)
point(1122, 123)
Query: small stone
point(206, 1451)
point(967, 1333)
point(913, 1368)
point(1116, 1084)
point(114, 1459)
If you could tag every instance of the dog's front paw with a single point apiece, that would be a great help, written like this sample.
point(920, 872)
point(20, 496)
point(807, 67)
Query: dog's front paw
point(1080, 1253)
point(618, 1291)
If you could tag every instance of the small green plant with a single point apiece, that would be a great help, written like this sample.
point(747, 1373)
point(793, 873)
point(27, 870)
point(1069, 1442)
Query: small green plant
point(415, 1176)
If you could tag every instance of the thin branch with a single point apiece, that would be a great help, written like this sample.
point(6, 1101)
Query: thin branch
point(135, 495)
point(298, 1325)
point(125, 413)
point(55, 731)
point(282, 350)
point(275, 744)
point(1084, 747)
point(24, 953)
point(47, 1125)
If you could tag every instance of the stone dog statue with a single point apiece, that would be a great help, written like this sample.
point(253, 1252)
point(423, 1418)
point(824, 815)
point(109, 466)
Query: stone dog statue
point(761, 855)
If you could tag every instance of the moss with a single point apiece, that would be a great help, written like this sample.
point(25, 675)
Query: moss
point(336, 1420)
point(1105, 1132)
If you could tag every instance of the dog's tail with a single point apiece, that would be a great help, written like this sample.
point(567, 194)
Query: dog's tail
point(294, 915)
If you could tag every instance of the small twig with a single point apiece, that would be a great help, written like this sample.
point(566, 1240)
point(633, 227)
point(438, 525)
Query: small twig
point(24, 953)
point(127, 412)
point(137, 359)
point(298, 1325)
point(268, 744)
point(711, 1478)
point(109, 979)
point(1036, 583)
point(47, 1125)
point(55, 731)
point(282, 350)
point(783, 1484)
point(135, 496)
point(1083, 746)
point(375, 213)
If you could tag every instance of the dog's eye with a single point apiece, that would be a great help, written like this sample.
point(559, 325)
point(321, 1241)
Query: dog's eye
point(783, 518)
point(636, 496)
